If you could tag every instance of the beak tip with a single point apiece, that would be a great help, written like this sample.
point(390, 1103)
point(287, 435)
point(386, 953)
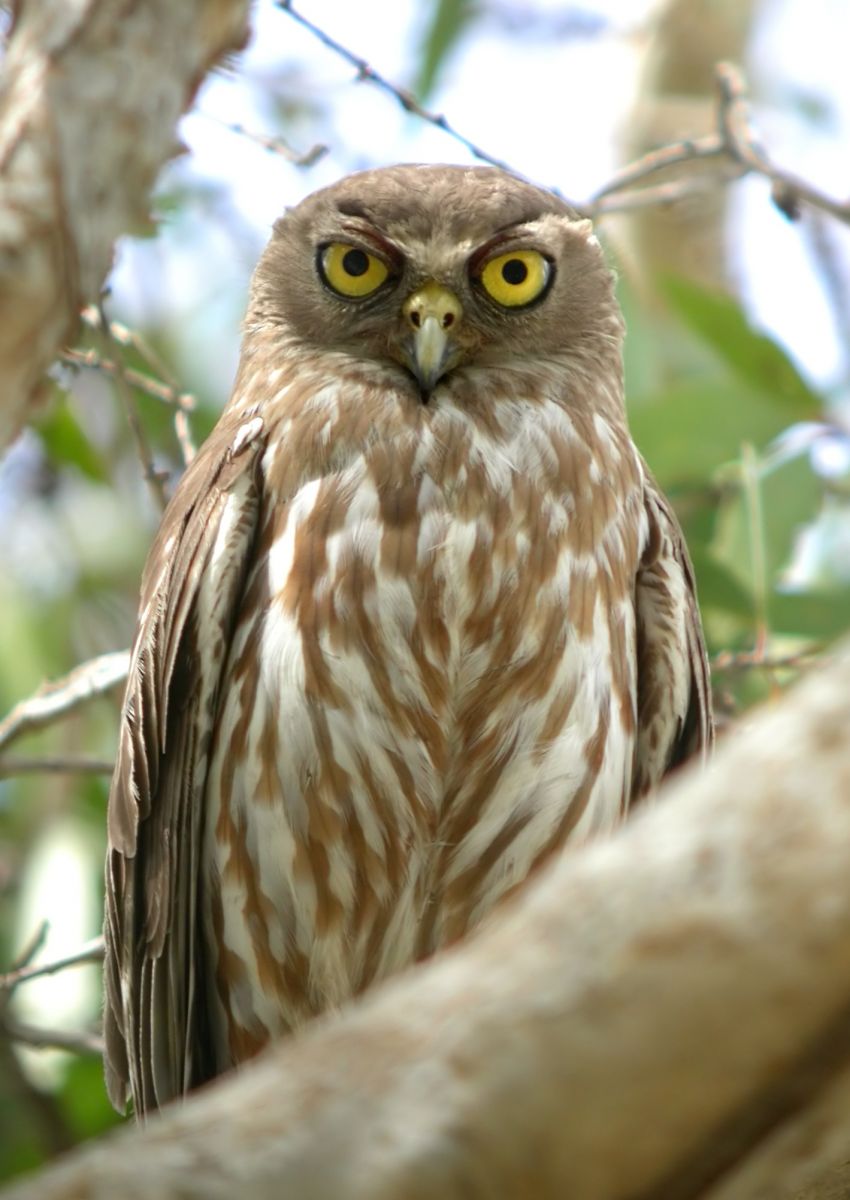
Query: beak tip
point(430, 352)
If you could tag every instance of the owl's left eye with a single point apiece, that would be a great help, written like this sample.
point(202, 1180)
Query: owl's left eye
point(351, 271)
point(517, 278)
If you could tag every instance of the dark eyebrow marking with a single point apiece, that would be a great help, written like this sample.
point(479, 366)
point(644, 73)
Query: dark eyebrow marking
point(369, 234)
point(505, 236)
point(354, 208)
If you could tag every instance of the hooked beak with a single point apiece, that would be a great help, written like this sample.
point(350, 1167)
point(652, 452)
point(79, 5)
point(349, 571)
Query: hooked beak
point(431, 312)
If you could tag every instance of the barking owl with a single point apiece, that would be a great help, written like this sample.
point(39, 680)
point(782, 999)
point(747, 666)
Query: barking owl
point(416, 617)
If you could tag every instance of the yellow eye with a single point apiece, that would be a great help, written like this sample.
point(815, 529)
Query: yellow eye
point(516, 278)
point(351, 271)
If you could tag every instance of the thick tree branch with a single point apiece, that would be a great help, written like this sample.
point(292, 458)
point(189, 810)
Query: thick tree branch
point(90, 95)
point(662, 1016)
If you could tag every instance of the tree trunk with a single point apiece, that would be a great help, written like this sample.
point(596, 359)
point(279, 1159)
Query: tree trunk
point(90, 95)
point(662, 1015)
point(677, 100)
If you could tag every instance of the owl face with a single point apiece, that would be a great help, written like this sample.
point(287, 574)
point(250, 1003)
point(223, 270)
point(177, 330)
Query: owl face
point(437, 270)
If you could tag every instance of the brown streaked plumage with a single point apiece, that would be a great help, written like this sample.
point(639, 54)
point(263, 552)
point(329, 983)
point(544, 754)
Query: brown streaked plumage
point(416, 616)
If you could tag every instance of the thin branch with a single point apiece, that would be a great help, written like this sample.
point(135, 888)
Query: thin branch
point(155, 479)
point(274, 144)
point(23, 971)
point(183, 433)
point(742, 145)
point(733, 144)
point(56, 699)
point(688, 150)
point(405, 98)
point(54, 765)
point(728, 661)
point(75, 1041)
point(164, 388)
point(91, 360)
point(660, 195)
point(31, 949)
point(125, 336)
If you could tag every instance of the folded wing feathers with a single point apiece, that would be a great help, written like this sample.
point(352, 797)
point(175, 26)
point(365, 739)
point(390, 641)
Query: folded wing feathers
point(674, 694)
point(198, 561)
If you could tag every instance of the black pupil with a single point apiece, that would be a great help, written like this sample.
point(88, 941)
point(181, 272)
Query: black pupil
point(514, 271)
point(355, 262)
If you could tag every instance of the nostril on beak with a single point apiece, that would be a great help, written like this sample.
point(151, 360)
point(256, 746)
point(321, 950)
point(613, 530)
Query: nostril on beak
point(432, 303)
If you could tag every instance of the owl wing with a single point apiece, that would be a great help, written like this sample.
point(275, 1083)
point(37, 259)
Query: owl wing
point(156, 1046)
point(674, 713)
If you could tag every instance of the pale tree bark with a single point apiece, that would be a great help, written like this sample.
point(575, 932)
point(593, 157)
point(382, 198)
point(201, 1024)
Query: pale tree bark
point(664, 1015)
point(90, 95)
point(676, 99)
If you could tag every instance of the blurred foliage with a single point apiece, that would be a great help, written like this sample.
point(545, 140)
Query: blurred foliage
point(709, 406)
point(710, 403)
point(448, 22)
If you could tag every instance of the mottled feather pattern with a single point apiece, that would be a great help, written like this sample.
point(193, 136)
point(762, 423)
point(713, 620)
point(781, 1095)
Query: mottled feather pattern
point(398, 643)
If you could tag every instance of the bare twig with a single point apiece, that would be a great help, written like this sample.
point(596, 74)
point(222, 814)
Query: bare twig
point(54, 765)
point(405, 98)
point(751, 660)
point(735, 147)
point(62, 696)
point(182, 402)
point(23, 971)
point(75, 1041)
point(660, 195)
point(661, 159)
point(790, 190)
point(274, 144)
point(155, 479)
point(163, 388)
point(185, 440)
point(78, 1041)
point(31, 949)
point(90, 360)
point(125, 336)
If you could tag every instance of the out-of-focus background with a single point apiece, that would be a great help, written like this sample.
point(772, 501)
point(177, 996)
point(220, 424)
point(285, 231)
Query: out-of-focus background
point(738, 373)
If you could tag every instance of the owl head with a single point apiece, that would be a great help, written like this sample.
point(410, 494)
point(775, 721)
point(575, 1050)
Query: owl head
point(436, 270)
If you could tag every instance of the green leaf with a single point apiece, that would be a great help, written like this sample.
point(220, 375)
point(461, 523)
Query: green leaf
point(721, 322)
point(822, 616)
point(67, 445)
point(789, 497)
point(691, 429)
point(83, 1099)
point(718, 587)
point(450, 19)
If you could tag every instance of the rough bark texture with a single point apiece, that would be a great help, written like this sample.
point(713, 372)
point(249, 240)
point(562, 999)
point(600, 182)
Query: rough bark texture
point(664, 1015)
point(90, 95)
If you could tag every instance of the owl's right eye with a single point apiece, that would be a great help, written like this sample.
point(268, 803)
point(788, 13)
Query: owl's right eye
point(350, 271)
